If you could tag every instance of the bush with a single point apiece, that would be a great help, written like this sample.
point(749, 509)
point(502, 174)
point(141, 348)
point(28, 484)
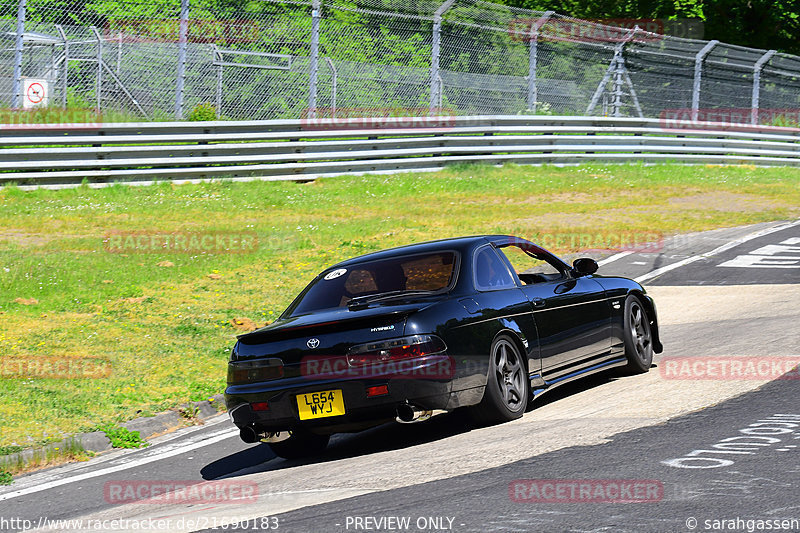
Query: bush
point(123, 438)
point(203, 111)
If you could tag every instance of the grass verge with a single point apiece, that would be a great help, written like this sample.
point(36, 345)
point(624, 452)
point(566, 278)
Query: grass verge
point(38, 458)
point(154, 327)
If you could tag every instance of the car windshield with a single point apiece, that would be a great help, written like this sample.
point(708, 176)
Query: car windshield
point(396, 276)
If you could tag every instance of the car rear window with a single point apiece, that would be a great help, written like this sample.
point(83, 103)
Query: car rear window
point(420, 272)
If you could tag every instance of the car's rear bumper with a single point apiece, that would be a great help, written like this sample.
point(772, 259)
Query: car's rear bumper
point(417, 388)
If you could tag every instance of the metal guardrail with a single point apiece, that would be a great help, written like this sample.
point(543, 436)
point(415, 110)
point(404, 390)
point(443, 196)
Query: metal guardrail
point(64, 155)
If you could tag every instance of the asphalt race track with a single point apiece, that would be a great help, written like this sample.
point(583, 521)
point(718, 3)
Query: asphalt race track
point(706, 441)
point(760, 484)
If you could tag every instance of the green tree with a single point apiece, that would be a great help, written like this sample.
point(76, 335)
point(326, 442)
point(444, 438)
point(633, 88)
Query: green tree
point(754, 23)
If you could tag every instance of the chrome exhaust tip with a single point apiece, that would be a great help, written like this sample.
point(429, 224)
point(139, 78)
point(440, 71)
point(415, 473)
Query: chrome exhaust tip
point(248, 435)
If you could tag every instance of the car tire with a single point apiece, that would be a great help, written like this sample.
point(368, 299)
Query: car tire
point(638, 337)
point(300, 444)
point(506, 394)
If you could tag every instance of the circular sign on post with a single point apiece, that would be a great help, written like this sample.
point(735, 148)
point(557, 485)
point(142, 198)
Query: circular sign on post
point(36, 93)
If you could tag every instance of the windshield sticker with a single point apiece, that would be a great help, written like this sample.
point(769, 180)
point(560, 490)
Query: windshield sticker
point(335, 274)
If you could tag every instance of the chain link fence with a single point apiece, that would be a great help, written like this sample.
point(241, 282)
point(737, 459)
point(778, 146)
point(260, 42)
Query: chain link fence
point(317, 59)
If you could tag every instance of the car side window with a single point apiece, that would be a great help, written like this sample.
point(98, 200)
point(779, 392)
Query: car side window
point(531, 268)
point(491, 272)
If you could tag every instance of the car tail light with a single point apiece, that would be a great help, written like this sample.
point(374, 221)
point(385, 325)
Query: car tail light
point(395, 349)
point(260, 406)
point(377, 390)
point(254, 371)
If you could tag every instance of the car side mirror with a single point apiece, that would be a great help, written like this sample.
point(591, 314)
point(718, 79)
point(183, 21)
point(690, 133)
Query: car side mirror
point(584, 266)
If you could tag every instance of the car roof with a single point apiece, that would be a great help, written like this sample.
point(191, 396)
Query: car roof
point(456, 243)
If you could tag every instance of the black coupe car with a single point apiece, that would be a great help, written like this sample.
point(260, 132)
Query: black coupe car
point(486, 322)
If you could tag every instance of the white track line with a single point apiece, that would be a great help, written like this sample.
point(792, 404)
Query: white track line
point(168, 451)
point(718, 250)
point(613, 258)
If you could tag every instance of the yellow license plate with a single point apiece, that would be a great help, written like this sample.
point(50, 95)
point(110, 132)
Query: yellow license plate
point(320, 404)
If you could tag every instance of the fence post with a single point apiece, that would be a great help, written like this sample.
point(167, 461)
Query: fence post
point(66, 65)
point(314, 57)
point(16, 93)
point(119, 51)
point(334, 83)
point(218, 61)
point(183, 32)
point(698, 72)
point(757, 84)
point(533, 90)
point(99, 85)
point(435, 43)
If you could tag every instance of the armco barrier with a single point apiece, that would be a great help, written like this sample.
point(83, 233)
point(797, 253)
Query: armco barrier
point(55, 155)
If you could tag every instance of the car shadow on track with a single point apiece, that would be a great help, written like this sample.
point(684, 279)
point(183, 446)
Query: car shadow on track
point(568, 389)
point(386, 437)
point(584, 384)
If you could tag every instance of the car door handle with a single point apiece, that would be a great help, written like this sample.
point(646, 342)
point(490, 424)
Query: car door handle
point(538, 302)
